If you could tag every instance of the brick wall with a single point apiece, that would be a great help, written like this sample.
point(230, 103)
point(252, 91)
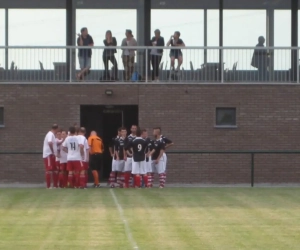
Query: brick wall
point(267, 118)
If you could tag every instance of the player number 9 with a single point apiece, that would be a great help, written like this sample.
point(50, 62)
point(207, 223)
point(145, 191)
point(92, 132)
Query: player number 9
point(139, 147)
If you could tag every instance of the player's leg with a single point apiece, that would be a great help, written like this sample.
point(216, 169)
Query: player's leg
point(127, 172)
point(48, 171)
point(112, 176)
point(160, 170)
point(61, 180)
point(144, 172)
point(86, 168)
point(172, 58)
point(93, 165)
point(81, 171)
point(120, 176)
point(55, 174)
point(136, 174)
point(165, 167)
point(70, 174)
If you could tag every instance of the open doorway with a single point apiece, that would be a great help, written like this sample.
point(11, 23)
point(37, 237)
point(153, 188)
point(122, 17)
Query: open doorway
point(105, 120)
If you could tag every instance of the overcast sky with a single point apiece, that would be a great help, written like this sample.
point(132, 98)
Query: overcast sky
point(241, 28)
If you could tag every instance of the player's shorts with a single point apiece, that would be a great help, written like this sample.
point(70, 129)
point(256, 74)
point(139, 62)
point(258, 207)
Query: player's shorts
point(114, 165)
point(165, 161)
point(63, 166)
point(75, 166)
point(149, 166)
point(139, 167)
point(120, 165)
point(49, 163)
point(85, 165)
point(159, 167)
point(128, 165)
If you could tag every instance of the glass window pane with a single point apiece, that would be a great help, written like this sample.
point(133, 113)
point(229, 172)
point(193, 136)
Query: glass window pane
point(242, 28)
point(226, 116)
point(98, 21)
point(190, 25)
point(282, 37)
point(212, 35)
point(37, 27)
point(2, 38)
point(1, 116)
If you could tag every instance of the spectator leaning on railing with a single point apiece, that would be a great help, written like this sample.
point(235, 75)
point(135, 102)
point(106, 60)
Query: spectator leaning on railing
point(156, 54)
point(260, 60)
point(109, 55)
point(175, 41)
point(128, 54)
point(84, 55)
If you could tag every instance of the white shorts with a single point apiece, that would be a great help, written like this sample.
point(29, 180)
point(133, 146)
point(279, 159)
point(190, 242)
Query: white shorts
point(128, 165)
point(114, 166)
point(139, 167)
point(160, 167)
point(149, 166)
point(120, 165)
point(165, 161)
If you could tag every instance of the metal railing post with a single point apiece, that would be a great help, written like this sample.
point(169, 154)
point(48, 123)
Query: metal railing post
point(222, 65)
point(146, 71)
point(71, 65)
point(297, 65)
point(252, 169)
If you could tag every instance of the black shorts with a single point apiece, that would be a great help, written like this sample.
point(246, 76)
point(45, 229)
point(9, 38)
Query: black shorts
point(96, 162)
point(176, 54)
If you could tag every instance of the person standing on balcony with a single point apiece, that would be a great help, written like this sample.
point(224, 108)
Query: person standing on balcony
point(260, 60)
point(84, 55)
point(175, 41)
point(156, 54)
point(109, 55)
point(128, 54)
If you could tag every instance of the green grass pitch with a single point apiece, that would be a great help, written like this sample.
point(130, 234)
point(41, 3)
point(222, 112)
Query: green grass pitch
point(172, 218)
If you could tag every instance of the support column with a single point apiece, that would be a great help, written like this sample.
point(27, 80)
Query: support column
point(294, 32)
point(70, 38)
point(143, 35)
point(270, 40)
point(6, 39)
point(221, 65)
point(205, 35)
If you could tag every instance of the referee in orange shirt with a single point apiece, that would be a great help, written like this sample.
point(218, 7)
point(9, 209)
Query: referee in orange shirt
point(96, 153)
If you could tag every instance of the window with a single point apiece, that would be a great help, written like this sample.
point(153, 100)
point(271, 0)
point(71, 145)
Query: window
point(226, 117)
point(1, 117)
point(2, 38)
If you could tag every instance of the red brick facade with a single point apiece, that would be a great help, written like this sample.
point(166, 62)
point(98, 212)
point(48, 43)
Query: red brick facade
point(267, 119)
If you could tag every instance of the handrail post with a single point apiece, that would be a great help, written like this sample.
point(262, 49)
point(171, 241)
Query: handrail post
point(222, 65)
point(252, 169)
point(146, 70)
point(71, 65)
point(297, 65)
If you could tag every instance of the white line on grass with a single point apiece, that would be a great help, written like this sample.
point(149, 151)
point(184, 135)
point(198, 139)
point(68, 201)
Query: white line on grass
point(127, 228)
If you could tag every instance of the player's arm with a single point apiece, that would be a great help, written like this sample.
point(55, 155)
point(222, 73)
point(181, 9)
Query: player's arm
point(64, 147)
point(81, 146)
point(50, 143)
point(90, 145)
point(128, 147)
point(168, 142)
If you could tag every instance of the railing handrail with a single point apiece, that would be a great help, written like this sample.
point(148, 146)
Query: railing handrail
point(149, 47)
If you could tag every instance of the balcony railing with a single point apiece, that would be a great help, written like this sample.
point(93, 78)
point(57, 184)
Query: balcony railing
point(199, 65)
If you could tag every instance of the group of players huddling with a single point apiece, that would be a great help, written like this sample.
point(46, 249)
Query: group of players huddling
point(136, 158)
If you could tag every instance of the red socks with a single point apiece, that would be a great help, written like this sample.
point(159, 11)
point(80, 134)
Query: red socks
point(126, 179)
point(61, 179)
point(145, 177)
point(48, 179)
point(162, 180)
point(137, 181)
point(71, 180)
point(86, 178)
point(82, 180)
point(112, 178)
point(55, 178)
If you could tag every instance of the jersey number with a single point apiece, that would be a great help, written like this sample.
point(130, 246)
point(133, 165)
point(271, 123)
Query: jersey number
point(73, 145)
point(140, 147)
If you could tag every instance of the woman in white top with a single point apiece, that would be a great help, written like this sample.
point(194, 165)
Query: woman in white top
point(156, 53)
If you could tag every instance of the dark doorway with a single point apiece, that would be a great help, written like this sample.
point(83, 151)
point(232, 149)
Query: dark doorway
point(106, 120)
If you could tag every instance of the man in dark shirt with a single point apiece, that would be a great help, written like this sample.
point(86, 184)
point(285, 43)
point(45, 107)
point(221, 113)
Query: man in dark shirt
point(158, 149)
point(120, 153)
point(149, 170)
point(84, 55)
point(139, 149)
point(112, 149)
